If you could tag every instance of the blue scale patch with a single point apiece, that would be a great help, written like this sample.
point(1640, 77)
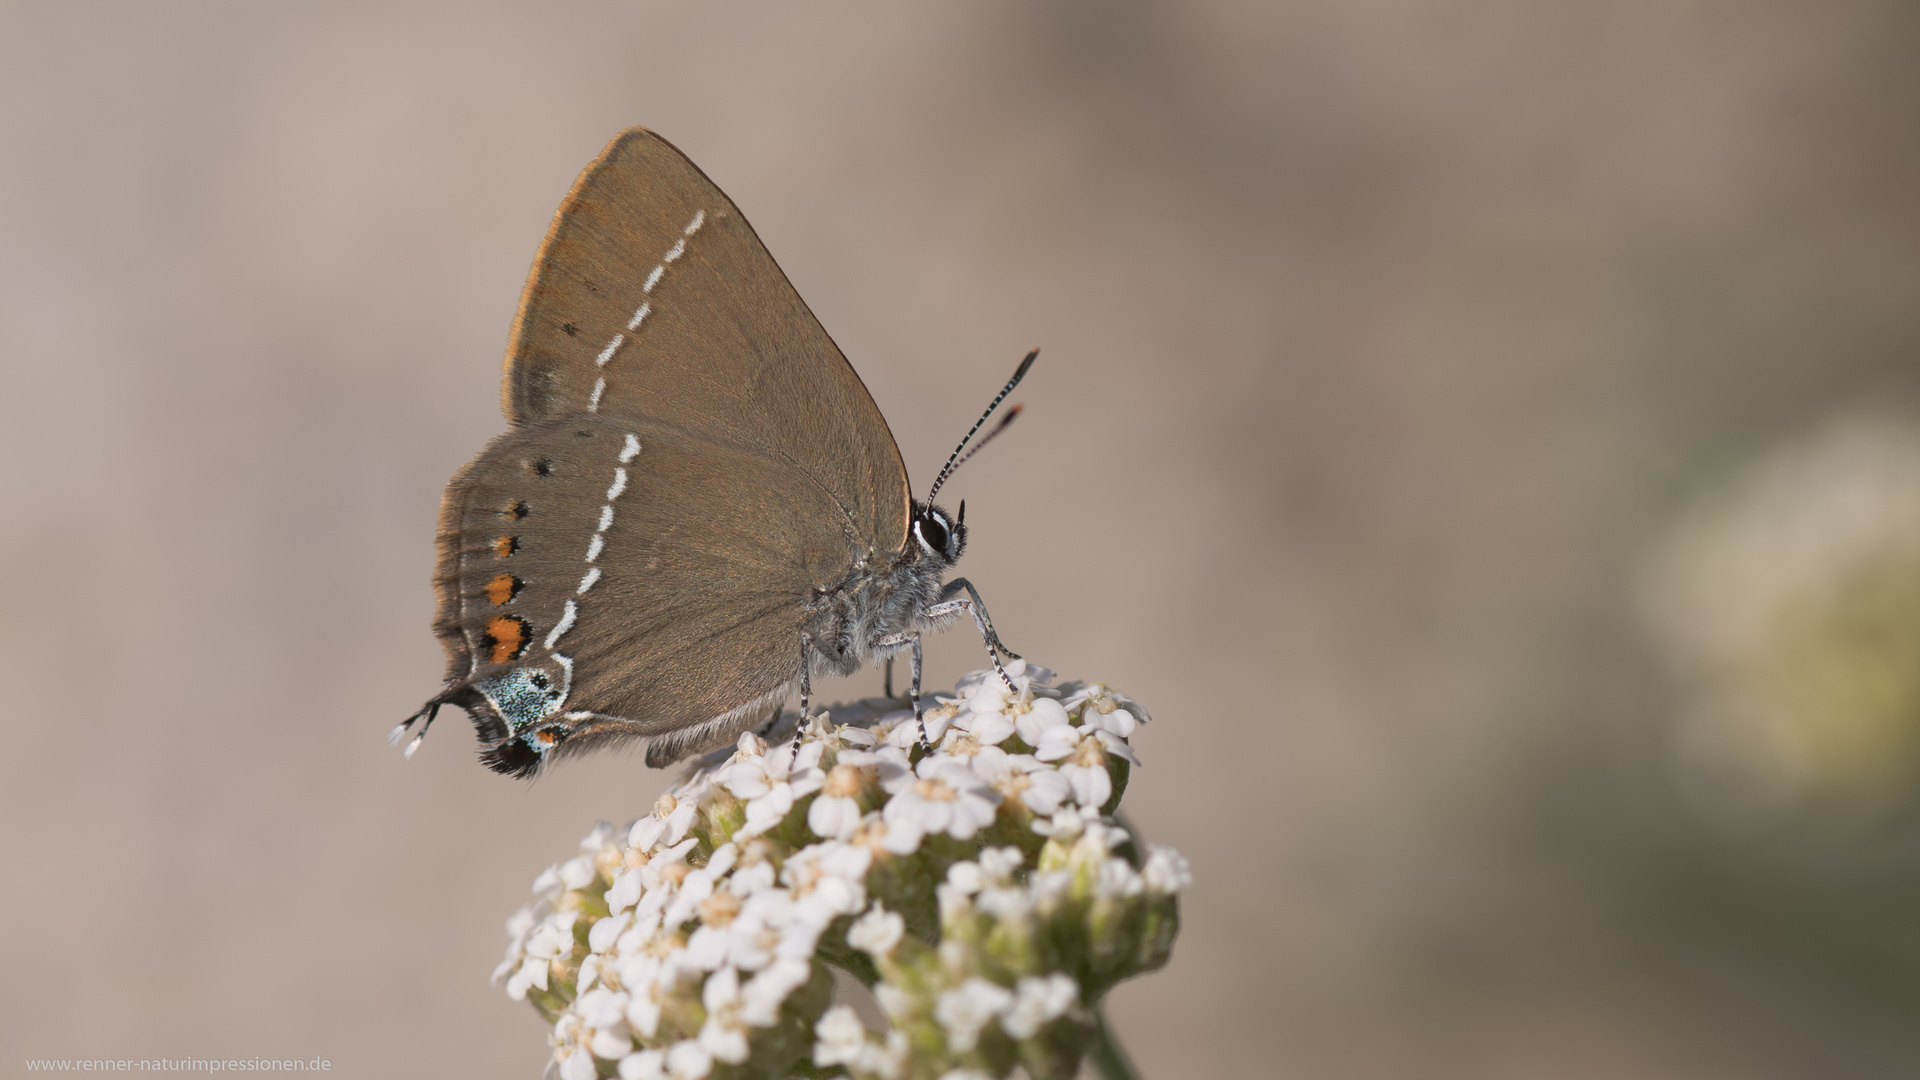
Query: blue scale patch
point(523, 697)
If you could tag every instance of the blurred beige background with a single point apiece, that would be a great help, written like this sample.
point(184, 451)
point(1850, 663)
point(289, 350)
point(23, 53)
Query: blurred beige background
point(1383, 340)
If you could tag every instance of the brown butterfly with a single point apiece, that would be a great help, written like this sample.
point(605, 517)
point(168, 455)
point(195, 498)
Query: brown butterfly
point(697, 507)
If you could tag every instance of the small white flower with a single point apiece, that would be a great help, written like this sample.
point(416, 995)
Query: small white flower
point(956, 904)
point(1034, 782)
point(756, 933)
point(722, 860)
point(1115, 721)
point(997, 865)
point(646, 927)
point(643, 1007)
point(1166, 870)
point(1025, 676)
point(577, 1065)
point(965, 878)
point(503, 969)
point(836, 812)
point(606, 931)
point(772, 782)
point(1116, 878)
point(755, 874)
point(901, 837)
point(841, 1037)
point(688, 1060)
point(842, 1040)
point(854, 736)
point(987, 761)
point(668, 867)
point(1037, 1002)
point(671, 818)
point(724, 1035)
point(1085, 765)
point(1101, 702)
point(941, 796)
point(887, 727)
point(888, 762)
point(886, 1061)
point(904, 732)
point(611, 1043)
point(987, 729)
point(553, 938)
point(523, 921)
point(1041, 716)
point(965, 1074)
point(601, 1008)
point(990, 697)
point(828, 878)
point(625, 891)
point(519, 929)
point(530, 974)
point(1100, 840)
point(763, 995)
point(877, 932)
point(964, 1010)
point(707, 949)
point(1065, 824)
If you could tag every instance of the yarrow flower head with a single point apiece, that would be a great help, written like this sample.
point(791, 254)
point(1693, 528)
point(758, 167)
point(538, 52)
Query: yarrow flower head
point(986, 892)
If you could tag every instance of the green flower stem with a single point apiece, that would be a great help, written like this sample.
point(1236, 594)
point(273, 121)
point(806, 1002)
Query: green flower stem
point(1108, 1056)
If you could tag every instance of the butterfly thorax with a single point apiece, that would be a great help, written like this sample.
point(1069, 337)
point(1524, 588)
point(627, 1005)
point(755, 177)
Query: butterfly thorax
point(858, 620)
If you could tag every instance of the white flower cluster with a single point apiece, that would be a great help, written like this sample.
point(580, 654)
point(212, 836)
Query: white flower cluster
point(984, 892)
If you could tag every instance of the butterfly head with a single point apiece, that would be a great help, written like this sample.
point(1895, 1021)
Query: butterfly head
point(938, 536)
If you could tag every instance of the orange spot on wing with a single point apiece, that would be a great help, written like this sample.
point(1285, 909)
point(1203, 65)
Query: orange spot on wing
point(502, 588)
point(506, 637)
point(505, 546)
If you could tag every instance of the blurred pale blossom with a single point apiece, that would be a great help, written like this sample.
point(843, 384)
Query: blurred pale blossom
point(1789, 604)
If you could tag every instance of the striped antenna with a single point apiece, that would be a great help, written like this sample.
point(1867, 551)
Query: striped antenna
point(953, 458)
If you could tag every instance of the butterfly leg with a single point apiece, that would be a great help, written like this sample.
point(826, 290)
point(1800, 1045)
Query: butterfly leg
point(913, 691)
point(912, 639)
point(806, 695)
point(951, 602)
point(806, 673)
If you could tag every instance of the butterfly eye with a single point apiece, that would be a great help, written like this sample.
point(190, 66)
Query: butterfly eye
point(932, 533)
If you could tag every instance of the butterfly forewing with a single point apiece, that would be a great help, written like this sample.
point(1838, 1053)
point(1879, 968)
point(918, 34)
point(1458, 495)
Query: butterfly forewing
point(653, 299)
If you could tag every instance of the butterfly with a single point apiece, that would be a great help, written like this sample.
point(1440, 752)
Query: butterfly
point(697, 507)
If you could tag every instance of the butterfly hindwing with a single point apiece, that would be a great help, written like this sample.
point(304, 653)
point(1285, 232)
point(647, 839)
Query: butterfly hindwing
point(629, 580)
